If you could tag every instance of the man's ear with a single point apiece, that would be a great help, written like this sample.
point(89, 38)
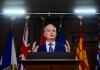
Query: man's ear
point(56, 34)
point(44, 34)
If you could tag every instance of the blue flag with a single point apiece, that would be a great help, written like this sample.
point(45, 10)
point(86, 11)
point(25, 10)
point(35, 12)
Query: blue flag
point(9, 55)
point(98, 58)
point(60, 36)
point(6, 56)
point(0, 63)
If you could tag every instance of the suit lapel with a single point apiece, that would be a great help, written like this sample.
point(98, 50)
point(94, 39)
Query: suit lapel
point(55, 47)
point(44, 48)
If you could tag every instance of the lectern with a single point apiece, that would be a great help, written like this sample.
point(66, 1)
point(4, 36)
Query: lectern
point(51, 61)
point(51, 64)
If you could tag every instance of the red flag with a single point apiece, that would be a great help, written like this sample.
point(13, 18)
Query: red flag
point(81, 51)
point(42, 38)
point(25, 47)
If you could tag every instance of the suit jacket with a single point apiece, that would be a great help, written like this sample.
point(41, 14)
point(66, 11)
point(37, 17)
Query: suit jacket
point(58, 48)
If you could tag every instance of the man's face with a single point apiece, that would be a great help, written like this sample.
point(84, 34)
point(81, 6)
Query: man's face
point(50, 32)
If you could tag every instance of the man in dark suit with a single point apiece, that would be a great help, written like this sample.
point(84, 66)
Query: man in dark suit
point(50, 44)
point(58, 48)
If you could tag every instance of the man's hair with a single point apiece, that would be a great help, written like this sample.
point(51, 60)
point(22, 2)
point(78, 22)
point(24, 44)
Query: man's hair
point(47, 27)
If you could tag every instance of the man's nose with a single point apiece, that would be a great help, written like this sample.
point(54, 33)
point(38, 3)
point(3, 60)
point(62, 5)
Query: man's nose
point(51, 32)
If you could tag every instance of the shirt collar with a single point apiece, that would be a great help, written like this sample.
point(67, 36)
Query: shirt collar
point(47, 42)
point(47, 46)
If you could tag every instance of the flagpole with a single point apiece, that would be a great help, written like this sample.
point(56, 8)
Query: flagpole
point(80, 17)
point(43, 19)
point(61, 17)
point(13, 19)
point(27, 18)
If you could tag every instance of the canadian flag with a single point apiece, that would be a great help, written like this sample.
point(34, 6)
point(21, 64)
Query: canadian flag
point(42, 38)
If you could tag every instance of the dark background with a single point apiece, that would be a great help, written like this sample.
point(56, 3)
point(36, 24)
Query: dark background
point(70, 23)
point(70, 26)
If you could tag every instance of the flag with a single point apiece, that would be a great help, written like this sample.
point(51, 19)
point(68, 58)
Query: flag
point(42, 38)
point(61, 39)
point(0, 63)
point(98, 58)
point(25, 47)
point(8, 58)
point(60, 36)
point(81, 51)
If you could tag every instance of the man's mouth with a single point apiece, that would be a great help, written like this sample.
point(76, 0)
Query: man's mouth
point(51, 35)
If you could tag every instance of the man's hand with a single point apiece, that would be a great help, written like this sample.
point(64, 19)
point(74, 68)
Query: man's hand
point(67, 47)
point(34, 47)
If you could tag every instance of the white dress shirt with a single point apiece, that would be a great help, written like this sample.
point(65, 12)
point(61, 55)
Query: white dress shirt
point(47, 45)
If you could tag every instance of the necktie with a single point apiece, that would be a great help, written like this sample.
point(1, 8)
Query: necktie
point(50, 47)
